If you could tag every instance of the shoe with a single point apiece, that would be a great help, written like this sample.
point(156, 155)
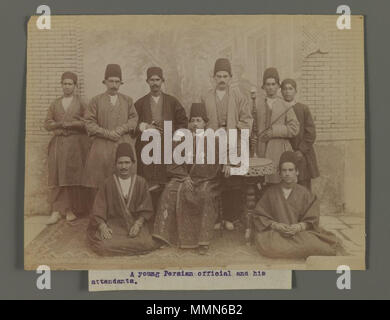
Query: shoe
point(70, 216)
point(229, 226)
point(203, 250)
point(217, 226)
point(54, 218)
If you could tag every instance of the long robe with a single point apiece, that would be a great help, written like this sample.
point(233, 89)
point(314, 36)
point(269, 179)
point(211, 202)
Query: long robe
point(307, 167)
point(120, 214)
point(101, 115)
point(300, 206)
point(173, 111)
point(68, 148)
point(287, 126)
point(186, 218)
point(67, 153)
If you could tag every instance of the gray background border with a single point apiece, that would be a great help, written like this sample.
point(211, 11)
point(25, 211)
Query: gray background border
point(17, 283)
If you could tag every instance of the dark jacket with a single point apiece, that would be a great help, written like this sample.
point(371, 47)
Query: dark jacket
point(308, 167)
point(173, 111)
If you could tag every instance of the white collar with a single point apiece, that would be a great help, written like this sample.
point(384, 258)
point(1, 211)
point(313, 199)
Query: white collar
point(220, 93)
point(198, 133)
point(113, 99)
point(156, 99)
point(125, 185)
point(286, 192)
point(66, 101)
point(271, 101)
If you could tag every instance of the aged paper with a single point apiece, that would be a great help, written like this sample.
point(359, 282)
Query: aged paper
point(109, 280)
point(65, 168)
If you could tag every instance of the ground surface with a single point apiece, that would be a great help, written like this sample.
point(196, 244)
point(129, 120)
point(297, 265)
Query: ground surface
point(63, 246)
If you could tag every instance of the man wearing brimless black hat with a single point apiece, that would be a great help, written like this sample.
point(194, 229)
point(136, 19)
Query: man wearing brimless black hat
point(303, 143)
point(68, 149)
point(110, 119)
point(153, 109)
point(276, 123)
point(121, 209)
point(287, 218)
point(187, 211)
point(228, 108)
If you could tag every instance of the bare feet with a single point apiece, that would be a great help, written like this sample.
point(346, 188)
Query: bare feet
point(54, 218)
point(217, 226)
point(70, 216)
point(229, 225)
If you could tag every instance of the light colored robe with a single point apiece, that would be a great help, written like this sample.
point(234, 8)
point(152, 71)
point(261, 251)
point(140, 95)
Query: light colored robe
point(287, 126)
point(239, 114)
point(100, 115)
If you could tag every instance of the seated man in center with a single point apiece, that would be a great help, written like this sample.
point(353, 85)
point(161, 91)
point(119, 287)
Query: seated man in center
point(120, 211)
point(188, 206)
point(287, 218)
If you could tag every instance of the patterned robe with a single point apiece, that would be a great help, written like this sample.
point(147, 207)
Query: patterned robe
point(186, 218)
point(300, 206)
point(120, 214)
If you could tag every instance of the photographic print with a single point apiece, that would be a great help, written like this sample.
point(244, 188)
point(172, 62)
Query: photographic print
point(195, 142)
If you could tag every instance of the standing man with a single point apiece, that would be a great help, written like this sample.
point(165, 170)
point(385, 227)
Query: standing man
point(67, 151)
point(110, 119)
point(228, 108)
point(153, 109)
point(276, 123)
point(302, 144)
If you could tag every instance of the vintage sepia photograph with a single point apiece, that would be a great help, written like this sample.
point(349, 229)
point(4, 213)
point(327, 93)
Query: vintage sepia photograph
point(195, 142)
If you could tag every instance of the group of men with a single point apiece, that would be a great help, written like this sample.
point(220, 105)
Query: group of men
point(95, 166)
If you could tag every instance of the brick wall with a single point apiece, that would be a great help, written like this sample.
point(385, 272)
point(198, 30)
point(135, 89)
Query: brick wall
point(49, 54)
point(332, 81)
point(332, 84)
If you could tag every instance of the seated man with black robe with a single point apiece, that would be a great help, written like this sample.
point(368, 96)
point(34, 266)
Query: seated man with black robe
point(188, 206)
point(287, 218)
point(122, 206)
